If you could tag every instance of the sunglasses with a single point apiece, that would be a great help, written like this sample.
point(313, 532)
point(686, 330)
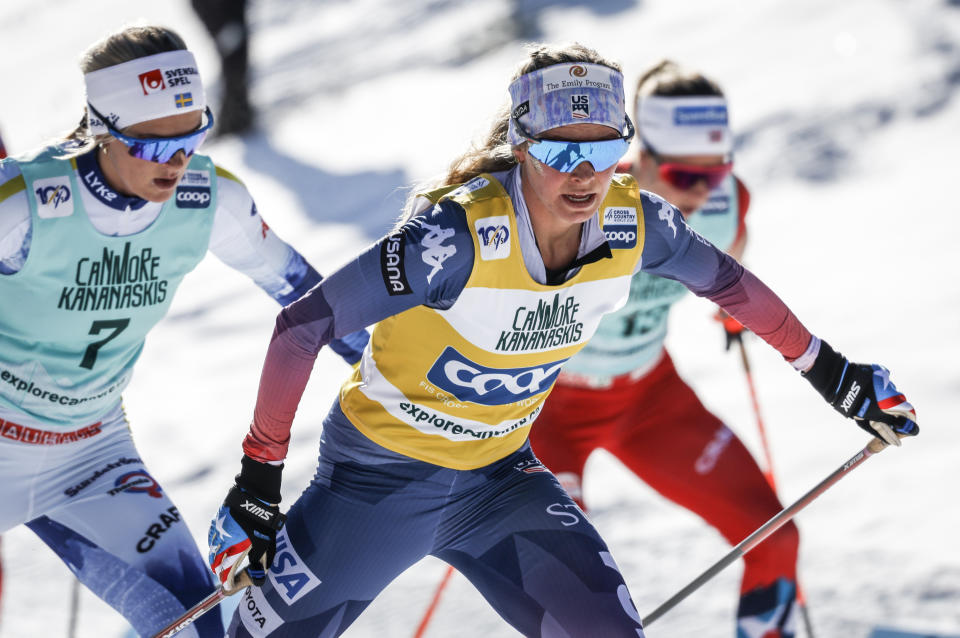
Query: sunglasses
point(566, 156)
point(160, 149)
point(685, 176)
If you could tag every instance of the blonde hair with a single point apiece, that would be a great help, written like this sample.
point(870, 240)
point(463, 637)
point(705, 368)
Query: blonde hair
point(494, 153)
point(129, 44)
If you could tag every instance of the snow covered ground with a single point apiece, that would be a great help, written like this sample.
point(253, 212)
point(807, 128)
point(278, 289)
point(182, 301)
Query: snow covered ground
point(848, 117)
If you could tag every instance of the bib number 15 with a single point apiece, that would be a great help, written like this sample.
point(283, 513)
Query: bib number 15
point(115, 326)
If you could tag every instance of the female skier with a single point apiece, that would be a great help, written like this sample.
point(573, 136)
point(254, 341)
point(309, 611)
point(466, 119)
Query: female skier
point(96, 233)
point(622, 392)
point(498, 278)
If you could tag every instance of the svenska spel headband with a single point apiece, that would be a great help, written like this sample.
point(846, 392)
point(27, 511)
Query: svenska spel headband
point(565, 156)
point(684, 125)
point(144, 89)
point(160, 149)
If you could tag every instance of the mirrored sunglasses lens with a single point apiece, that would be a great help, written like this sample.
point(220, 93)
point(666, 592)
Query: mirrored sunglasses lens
point(566, 156)
point(685, 179)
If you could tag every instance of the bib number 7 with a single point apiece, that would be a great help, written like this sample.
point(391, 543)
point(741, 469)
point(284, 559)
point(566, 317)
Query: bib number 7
point(115, 325)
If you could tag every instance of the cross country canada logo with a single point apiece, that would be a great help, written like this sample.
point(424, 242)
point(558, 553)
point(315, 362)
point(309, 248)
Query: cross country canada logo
point(152, 81)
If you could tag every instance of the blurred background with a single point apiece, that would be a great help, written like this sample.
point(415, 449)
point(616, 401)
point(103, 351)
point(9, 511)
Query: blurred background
point(847, 118)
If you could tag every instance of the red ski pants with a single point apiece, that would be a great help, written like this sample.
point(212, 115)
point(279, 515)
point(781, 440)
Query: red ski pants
point(659, 429)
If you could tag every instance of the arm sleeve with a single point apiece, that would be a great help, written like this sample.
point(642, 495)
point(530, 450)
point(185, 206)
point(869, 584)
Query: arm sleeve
point(673, 250)
point(15, 230)
point(243, 240)
point(426, 262)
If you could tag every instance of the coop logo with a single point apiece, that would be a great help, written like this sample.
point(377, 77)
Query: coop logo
point(138, 481)
point(580, 106)
point(718, 203)
point(620, 227)
point(152, 81)
point(193, 197)
point(291, 577)
point(470, 381)
point(494, 236)
point(54, 198)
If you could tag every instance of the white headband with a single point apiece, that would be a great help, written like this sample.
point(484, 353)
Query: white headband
point(684, 125)
point(144, 89)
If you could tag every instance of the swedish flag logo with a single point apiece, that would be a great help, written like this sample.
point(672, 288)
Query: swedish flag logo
point(183, 99)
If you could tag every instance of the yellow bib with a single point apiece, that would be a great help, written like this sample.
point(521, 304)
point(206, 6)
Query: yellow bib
point(460, 387)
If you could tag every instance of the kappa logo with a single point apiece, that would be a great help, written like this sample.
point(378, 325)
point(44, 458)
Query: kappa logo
point(152, 81)
point(138, 481)
point(470, 381)
point(494, 236)
point(291, 577)
point(620, 227)
point(665, 214)
point(193, 196)
point(54, 198)
point(580, 106)
point(434, 252)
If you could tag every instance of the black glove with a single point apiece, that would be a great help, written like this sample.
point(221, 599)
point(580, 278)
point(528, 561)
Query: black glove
point(250, 518)
point(864, 393)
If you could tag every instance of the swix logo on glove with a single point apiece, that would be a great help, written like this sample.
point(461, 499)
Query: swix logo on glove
point(257, 510)
point(852, 395)
point(470, 381)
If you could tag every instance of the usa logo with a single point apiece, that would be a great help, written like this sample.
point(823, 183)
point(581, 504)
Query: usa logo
point(470, 381)
point(54, 198)
point(493, 234)
point(620, 227)
point(291, 577)
point(580, 106)
point(152, 81)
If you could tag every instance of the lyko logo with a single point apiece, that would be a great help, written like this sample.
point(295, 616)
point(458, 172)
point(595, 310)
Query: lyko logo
point(54, 198)
point(152, 81)
point(291, 577)
point(493, 234)
point(193, 197)
point(469, 381)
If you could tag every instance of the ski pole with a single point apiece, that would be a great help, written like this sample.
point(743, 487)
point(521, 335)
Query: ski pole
point(768, 473)
point(422, 627)
point(229, 588)
point(873, 447)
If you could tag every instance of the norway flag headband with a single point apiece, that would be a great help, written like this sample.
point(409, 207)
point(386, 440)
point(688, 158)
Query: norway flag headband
point(568, 93)
point(144, 89)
